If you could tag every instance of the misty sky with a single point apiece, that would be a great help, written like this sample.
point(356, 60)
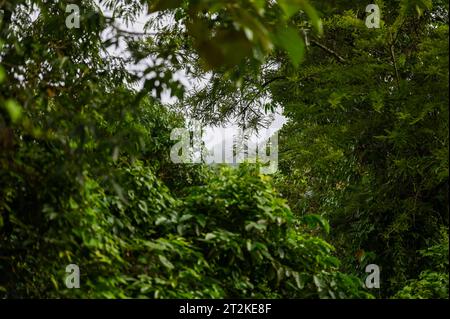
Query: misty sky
point(213, 135)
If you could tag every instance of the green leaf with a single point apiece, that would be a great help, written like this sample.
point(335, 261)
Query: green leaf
point(249, 245)
point(289, 39)
point(318, 282)
point(186, 217)
point(312, 220)
point(314, 17)
point(298, 281)
point(260, 5)
point(14, 110)
point(2, 74)
point(210, 236)
point(160, 220)
point(290, 7)
point(166, 262)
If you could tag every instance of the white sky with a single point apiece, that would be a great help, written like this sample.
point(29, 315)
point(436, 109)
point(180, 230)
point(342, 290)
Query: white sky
point(213, 136)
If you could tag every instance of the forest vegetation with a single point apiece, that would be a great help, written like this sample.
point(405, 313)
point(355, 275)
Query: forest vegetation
point(86, 176)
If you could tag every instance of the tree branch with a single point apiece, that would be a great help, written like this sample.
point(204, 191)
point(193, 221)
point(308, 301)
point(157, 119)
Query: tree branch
point(391, 47)
point(264, 85)
point(328, 50)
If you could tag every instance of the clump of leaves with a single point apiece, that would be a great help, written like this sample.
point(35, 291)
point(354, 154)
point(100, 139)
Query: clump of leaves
point(432, 282)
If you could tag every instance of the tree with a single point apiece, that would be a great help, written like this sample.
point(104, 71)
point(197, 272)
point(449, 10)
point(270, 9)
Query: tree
point(367, 141)
point(85, 177)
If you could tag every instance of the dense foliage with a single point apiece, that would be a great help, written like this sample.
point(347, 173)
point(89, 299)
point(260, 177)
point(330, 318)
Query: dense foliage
point(86, 177)
point(370, 151)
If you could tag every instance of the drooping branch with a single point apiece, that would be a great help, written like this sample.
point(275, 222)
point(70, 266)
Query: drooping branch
point(328, 50)
point(394, 61)
point(263, 86)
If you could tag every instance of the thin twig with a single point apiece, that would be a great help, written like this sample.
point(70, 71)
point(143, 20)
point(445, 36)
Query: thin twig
point(263, 86)
point(397, 77)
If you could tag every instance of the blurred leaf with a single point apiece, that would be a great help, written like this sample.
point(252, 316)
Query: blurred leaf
point(290, 40)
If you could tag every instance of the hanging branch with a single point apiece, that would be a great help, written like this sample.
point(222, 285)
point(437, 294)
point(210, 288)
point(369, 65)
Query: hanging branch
point(328, 50)
point(394, 61)
point(255, 96)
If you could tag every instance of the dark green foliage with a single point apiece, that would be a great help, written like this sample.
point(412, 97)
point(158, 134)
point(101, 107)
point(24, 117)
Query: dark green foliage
point(366, 142)
point(432, 282)
point(231, 237)
point(86, 178)
point(248, 236)
point(370, 151)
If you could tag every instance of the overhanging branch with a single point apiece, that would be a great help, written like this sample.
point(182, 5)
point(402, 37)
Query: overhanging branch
point(328, 50)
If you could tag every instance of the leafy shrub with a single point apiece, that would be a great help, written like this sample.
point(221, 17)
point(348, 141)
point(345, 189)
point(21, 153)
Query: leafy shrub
point(231, 237)
point(432, 282)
